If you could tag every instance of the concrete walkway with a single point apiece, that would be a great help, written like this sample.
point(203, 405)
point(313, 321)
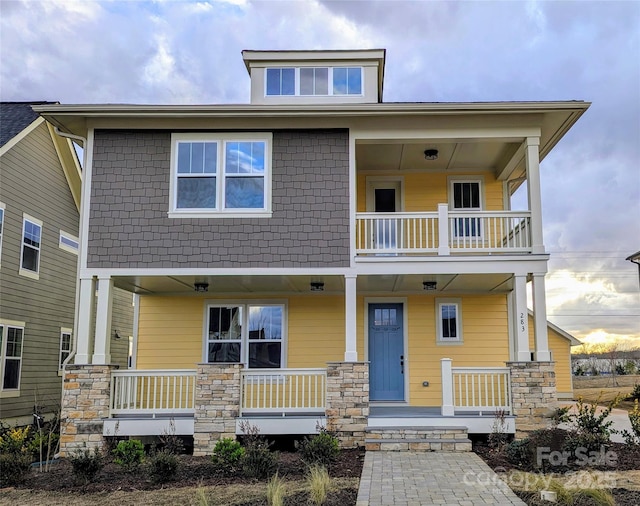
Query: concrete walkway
point(420, 478)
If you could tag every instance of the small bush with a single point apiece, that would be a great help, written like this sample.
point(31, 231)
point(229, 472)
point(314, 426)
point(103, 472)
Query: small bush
point(86, 465)
point(259, 461)
point(275, 491)
point(633, 437)
point(162, 466)
point(587, 421)
point(170, 441)
point(14, 440)
point(319, 484)
point(322, 448)
point(13, 468)
point(227, 456)
point(129, 454)
point(635, 393)
point(520, 453)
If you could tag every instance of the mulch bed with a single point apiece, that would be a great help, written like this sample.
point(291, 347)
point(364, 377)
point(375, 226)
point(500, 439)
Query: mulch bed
point(193, 471)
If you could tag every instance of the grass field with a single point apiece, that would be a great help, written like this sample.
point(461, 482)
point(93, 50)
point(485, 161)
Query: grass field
point(602, 388)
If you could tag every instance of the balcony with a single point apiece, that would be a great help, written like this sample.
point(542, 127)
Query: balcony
point(443, 233)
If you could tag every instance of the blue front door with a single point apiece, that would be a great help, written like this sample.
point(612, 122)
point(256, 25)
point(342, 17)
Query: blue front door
point(386, 352)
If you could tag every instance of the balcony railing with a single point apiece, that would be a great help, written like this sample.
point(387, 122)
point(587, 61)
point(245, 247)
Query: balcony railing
point(475, 389)
point(283, 391)
point(153, 392)
point(444, 232)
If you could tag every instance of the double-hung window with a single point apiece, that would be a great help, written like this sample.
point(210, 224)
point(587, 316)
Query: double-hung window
point(65, 346)
point(221, 175)
point(31, 239)
point(466, 196)
point(249, 333)
point(11, 342)
point(448, 321)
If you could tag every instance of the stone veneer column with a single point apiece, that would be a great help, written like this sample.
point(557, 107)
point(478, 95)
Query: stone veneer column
point(347, 407)
point(533, 394)
point(217, 405)
point(85, 404)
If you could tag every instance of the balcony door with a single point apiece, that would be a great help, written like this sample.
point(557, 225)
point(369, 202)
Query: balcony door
point(384, 196)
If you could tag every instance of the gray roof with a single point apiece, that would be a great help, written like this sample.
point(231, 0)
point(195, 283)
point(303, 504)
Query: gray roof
point(15, 117)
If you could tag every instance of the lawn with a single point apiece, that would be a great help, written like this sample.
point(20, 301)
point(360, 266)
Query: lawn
point(602, 389)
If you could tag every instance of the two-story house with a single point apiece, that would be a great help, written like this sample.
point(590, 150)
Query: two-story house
point(315, 256)
point(40, 187)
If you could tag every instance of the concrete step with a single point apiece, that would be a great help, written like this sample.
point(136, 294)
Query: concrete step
point(392, 438)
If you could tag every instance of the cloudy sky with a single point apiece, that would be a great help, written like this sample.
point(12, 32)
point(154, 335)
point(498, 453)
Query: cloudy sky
point(189, 53)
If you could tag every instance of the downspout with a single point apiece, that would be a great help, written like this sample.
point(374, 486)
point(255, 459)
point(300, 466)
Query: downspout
point(74, 341)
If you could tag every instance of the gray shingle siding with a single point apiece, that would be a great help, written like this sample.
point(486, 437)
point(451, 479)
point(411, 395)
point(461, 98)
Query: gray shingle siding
point(129, 226)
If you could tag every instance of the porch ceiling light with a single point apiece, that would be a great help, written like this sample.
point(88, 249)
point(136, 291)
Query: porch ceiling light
point(429, 285)
point(430, 154)
point(201, 286)
point(316, 286)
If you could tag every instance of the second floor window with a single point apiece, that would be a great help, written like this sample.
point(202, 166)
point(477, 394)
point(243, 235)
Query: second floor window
point(31, 238)
point(221, 175)
point(313, 81)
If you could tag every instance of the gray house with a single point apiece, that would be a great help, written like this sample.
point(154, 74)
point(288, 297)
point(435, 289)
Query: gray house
point(40, 186)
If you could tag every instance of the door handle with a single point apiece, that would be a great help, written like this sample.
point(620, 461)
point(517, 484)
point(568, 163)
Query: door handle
point(401, 364)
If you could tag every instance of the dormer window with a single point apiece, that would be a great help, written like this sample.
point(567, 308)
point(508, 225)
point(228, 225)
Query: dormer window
point(314, 81)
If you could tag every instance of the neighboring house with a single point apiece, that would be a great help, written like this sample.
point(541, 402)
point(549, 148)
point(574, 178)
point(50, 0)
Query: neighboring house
point(40, 186)
point(560, 344)
point(317, 255)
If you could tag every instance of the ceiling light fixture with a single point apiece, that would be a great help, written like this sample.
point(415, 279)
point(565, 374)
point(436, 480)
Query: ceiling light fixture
point(316, 286)
point(430, 154)
point(429, 285)
point(201, 286)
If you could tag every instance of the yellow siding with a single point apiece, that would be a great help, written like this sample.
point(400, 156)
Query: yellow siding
point(561, 353)
point(423, 192)
point(486, 342)
point(170, 336)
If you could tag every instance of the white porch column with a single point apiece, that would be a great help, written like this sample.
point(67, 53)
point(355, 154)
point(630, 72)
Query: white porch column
point(447, 387)
point(532, 162)
point(540, 319)
point(350, 353)
point(102, 346)
point(443, 229)
point(84, 311)
point(523, 354)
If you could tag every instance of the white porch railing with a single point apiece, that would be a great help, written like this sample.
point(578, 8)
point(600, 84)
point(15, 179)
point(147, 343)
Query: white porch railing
point(444, 232)
point(153, 392)
point(283, 391)
point(475, 389)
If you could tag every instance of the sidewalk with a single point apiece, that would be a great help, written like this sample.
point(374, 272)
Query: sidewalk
point(421, 478)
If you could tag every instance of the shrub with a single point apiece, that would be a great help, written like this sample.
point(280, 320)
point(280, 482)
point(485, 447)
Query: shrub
point(498, 436)
point(129, 454)
point(13, 468)
point(275, 491)
point(587, 420)
point(258, 460)
point(86, 465)
point(162, 466)
point(520, 453)
point(635, 393)
point(170, 441)
point(14, 440)
point(319, 484)
point(633, 437)
point(322, 448)
point(227, 456)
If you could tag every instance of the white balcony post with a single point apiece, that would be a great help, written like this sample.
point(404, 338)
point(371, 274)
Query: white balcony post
point(443, 229)
point(523, 354)
point(102, 347)
point(84, 312)
point(350, 353)
point(447, 387)
point(532, 162)
point(540, 319)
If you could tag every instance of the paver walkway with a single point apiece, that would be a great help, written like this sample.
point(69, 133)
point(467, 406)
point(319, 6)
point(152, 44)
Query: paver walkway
point(420, 478)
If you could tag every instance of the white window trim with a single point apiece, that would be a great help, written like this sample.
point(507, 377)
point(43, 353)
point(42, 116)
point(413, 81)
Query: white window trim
point(221, 138)
point(244, 339)
point(329, 79)
point(448, 341)
point(466, 179)
point(3, 223)
point(67, 247)
point(5, 324)
point(26, 272)
point(64, 330)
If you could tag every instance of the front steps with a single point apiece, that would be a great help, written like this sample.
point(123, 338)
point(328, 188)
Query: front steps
point(424, 439)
